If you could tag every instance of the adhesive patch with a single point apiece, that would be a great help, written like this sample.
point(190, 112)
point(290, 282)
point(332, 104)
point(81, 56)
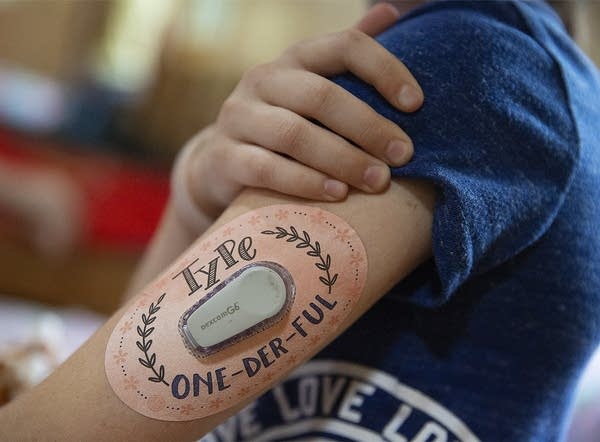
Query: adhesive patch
point(237, 309)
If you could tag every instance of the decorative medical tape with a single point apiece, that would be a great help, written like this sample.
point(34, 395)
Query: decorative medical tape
point(240, 307)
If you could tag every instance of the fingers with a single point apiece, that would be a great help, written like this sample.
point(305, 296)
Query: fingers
point(354, 51)
point(378, 19)
point(314, 146)
point(271, 112)
point(339, 110)
point(257, 167)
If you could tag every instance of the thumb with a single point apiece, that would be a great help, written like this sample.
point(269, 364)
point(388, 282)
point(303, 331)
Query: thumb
point(378, 19)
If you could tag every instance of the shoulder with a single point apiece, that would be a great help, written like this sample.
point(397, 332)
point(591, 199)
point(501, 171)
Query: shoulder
point(495, 133)
point(477, 47)
point(487, 79)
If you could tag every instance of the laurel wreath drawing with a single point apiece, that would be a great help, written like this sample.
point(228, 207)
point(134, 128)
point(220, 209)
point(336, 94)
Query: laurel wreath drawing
point(303, 242)
point(149, 359)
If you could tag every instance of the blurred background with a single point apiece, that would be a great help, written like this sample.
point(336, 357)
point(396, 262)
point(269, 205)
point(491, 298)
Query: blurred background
point(96, 97)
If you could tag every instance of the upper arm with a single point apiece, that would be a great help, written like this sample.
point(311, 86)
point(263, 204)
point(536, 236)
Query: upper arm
point(394, 226)
point(495, 134)
point(395, 229)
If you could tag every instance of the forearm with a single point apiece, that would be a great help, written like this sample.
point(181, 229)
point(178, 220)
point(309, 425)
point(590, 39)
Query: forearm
point(171, 238)
point(187, 215)
point(77, 402)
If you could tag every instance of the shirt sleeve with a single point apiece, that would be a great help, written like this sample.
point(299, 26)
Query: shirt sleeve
point(495, 136)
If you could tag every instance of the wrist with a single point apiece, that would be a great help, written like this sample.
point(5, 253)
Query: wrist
point(189, 200)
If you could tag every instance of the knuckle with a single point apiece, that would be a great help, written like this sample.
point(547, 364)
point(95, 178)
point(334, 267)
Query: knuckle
point(229, 107)
point(293, 50)
point(384, 77)
point(342, 172)
point(369, 130)
point(229, 114)
point(290, 135)
point(352, 46)
point(222, 151)
point(319, 95)
point(352, 36)
point(261, 170)
point(258, 75)
point(385, 67)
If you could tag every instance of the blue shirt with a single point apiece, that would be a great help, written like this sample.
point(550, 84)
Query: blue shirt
point(487, 340)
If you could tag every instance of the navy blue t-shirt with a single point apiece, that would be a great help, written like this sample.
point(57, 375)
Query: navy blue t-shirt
point(487, 340)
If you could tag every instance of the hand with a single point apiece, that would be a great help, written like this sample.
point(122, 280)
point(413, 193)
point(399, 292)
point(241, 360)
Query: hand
point(268, 134)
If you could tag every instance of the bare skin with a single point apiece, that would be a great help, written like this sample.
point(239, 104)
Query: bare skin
point(76, 401)
point(266, 137)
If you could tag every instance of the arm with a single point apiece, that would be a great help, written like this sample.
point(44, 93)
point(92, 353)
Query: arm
point(77, 401)
point(89, 408)
point(272, 111)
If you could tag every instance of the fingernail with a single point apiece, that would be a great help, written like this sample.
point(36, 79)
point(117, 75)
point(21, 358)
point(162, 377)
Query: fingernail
point(397, 152)
point(335, 188)
point(409, 97)
point(376, 177)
